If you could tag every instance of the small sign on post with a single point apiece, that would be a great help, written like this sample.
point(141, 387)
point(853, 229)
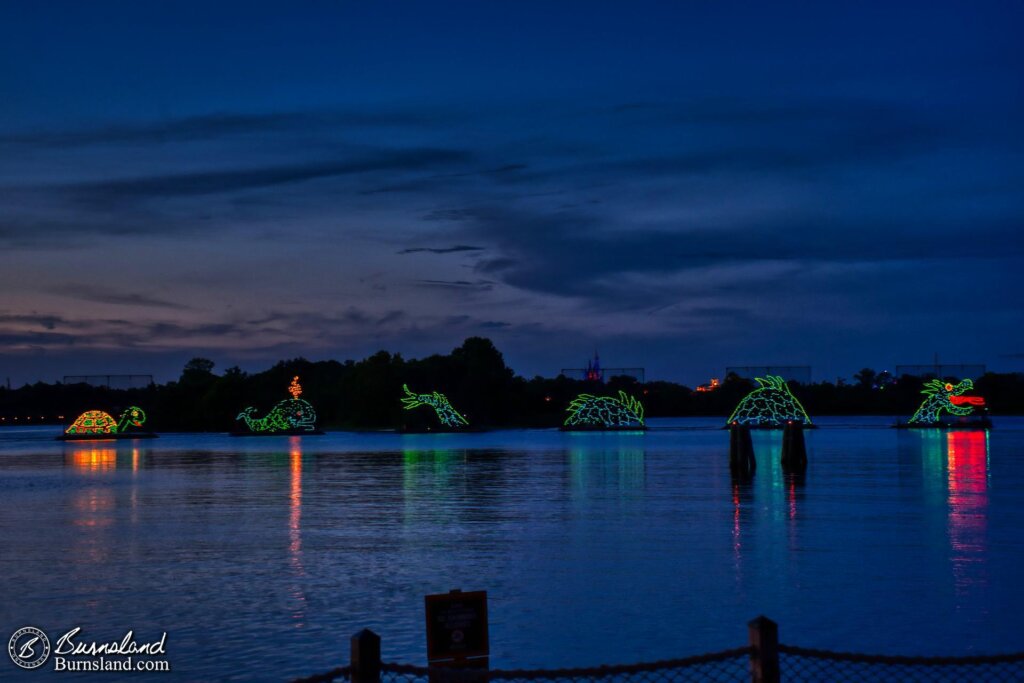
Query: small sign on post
point(457, 628)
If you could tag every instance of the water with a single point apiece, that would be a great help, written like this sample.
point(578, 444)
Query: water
point(260, 557)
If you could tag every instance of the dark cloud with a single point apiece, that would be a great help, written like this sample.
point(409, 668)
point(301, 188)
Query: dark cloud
point(213, 126)
point(36, 340)
point(114, 192)
point(580, 255)
point(444, 180)
point(107, 296)
point(48, 322)
point(441, 250)
point(351, 318)
point(449, 215)
point(478, 285)
point(390, 317)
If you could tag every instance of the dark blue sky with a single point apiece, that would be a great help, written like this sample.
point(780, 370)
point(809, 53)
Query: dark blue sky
point(681, 185)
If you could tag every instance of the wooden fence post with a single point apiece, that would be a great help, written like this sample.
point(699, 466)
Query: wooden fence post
point(764, 650)
point(364, 657)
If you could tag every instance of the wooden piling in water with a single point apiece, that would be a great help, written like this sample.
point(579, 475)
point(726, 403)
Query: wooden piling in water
point(764, 651)
point(741, 450)
point(364, 657)
point(794, 449)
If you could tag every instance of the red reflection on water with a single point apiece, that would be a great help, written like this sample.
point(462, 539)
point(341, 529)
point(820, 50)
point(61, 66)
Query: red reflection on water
point(736, 545)
point(967, 464)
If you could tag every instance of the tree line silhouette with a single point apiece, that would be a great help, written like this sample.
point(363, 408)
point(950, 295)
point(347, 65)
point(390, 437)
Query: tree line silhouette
point(366, 394)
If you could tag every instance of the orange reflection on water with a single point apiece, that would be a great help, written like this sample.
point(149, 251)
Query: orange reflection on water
point(93, 507)
point(295, 526)
point(967, 468)
point(93, 459)
point(295, 499)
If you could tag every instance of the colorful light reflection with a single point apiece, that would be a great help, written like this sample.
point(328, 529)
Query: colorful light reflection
point(295, 527)
point(93, 459)
point(967, 471)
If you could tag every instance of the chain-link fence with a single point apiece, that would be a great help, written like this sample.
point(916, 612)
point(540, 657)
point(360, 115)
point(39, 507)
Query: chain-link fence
point(725, 666)
point(802, 664)
point(763, 660)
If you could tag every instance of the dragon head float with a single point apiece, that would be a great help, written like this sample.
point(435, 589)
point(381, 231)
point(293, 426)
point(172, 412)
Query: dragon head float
point(946, 397)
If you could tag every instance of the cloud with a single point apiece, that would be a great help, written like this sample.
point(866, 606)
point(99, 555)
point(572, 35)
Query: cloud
point(708, 270)
point(108, 296)
point(479, 285)
point(441, 250)
point(444, 179)
point(218, 125)
point(20, 341)
point(110, 193)
point(48, 322)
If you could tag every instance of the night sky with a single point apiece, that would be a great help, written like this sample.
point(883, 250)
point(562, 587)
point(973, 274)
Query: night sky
point(679, 185)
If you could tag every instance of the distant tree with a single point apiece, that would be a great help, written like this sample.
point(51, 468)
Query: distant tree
point(197, 368)
point(233, 372)
point(866, 378)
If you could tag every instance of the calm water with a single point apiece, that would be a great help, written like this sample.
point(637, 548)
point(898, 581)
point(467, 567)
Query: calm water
point(260, 557)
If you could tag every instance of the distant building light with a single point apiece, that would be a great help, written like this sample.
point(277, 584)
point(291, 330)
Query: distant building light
point(710, 386)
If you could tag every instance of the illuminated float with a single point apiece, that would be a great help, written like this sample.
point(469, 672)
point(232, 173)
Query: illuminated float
point(771, 406)
point(448, 419)
point(605, 413)
point(292, 416)
point(96, 424)
point(948, 406)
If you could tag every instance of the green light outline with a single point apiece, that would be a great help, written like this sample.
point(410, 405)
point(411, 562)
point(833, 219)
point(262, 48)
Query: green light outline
point(937, 401)
point(624, 411)
point(774, 393)
point(445, 411)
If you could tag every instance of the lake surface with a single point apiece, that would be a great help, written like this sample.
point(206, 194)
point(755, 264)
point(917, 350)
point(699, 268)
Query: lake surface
point(260, 557)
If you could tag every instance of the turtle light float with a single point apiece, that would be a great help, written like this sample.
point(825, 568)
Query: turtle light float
point(291, 416)
point(97, 424)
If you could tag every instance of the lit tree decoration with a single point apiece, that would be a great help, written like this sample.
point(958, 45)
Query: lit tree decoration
point(770, 405)
point(446, 414)
point(945, 397)
point(99, 422)
point(605, 412)
point(290, 415)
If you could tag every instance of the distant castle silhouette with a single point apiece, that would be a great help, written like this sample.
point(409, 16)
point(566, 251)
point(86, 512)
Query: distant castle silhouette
point(593, 372)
